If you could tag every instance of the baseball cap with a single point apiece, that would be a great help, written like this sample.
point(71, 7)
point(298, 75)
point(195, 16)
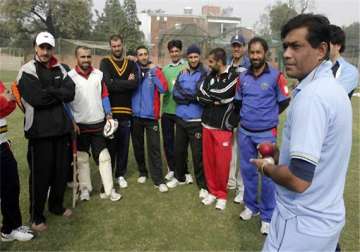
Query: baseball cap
point(45, 38)
point(238, 39)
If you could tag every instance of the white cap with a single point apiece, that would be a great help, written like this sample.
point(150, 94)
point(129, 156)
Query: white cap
point(45, 38)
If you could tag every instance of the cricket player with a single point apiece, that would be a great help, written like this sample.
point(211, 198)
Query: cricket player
point(316, 145)
point(262, 95)
point(168, 118)
point(12, 228)
point(216, 94)
point(120, 79)
point(240, 61)
point(146, 113)
point(90, 108)
point(188, 121)
point(44, 87)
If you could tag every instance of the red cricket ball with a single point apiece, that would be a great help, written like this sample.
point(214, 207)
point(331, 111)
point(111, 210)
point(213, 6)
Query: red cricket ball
point(266, 149)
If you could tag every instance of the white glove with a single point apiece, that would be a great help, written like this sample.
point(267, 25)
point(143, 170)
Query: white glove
point(110, 127)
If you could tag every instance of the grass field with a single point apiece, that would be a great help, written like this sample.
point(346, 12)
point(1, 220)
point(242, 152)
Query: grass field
point(146, 219)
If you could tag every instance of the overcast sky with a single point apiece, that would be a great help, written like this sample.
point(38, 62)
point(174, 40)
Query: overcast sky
point(340, 12)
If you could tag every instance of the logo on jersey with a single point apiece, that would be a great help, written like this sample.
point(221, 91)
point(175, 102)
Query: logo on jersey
point(264, 86)
point(198, 135)
point(156, 128)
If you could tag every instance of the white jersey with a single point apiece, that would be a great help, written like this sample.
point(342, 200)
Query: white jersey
point(87, 105)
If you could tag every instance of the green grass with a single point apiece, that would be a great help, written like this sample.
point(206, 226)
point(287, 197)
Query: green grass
point(145, 219)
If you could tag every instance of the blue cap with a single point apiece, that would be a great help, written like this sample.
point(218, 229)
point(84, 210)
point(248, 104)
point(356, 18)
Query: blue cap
point(238, 39)
point(193, 49)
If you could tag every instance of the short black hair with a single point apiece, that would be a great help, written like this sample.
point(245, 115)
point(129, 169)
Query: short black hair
point(318, 27)
point(219, 54)
point(174, 43)
point(259, 40)
point(141, 47)
point(116, 37)
point(337, 37)
point(81, 47)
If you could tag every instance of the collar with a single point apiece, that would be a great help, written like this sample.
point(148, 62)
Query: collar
point(180, 62)
point(319, 71)
point(265, 70)
point(85, 74)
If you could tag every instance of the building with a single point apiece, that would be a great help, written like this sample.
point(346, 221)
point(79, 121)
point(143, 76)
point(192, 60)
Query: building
point(208, 30)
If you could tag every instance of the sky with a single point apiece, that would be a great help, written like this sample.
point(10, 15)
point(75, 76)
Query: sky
point(339, 12)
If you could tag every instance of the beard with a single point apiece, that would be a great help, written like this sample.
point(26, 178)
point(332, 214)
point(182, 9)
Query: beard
point(117, 54)
point(257, 64)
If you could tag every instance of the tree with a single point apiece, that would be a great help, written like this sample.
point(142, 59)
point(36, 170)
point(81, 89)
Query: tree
point(279, 14)
point(111, 21)
point(62, 18)
point(302, 6)
point(119, 19)
point(132, 32)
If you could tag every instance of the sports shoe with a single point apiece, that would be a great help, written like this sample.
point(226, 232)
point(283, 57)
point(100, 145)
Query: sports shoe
point(170, 175)
point(246, 214)
point(188, 179)
point(22, 233)
point(85, 195)
point(239, 198)
point(209, 199)
point(114, 196)
point(162, 188)
point(220, 204)
point(174, 183)
point(265, 227)
point(122, 182)
point(203, 193)
point(141, 180)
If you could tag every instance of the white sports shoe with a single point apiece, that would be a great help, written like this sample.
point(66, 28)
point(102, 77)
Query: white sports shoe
point(170, 175)
point(22, 233)
point(209, 199)
point(141, 180)
point(203, 193)
point(239, 198)
point(162, 188)
point(114, 196)
point(246, 214)
point(220, 204)
point(188, 179)
point(85, 195)
point(122, 182)
point(174, 183)
point(265, 227)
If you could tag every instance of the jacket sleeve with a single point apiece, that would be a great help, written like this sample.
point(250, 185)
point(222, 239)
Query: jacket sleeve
point(202, 95)
point(158, 78)
point(117, 85)
point(32, 92)
point(105, 98)
point(65, 92)
point(179, 94)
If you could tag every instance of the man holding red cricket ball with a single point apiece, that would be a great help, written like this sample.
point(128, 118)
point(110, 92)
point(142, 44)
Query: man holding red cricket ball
point(260, 97)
